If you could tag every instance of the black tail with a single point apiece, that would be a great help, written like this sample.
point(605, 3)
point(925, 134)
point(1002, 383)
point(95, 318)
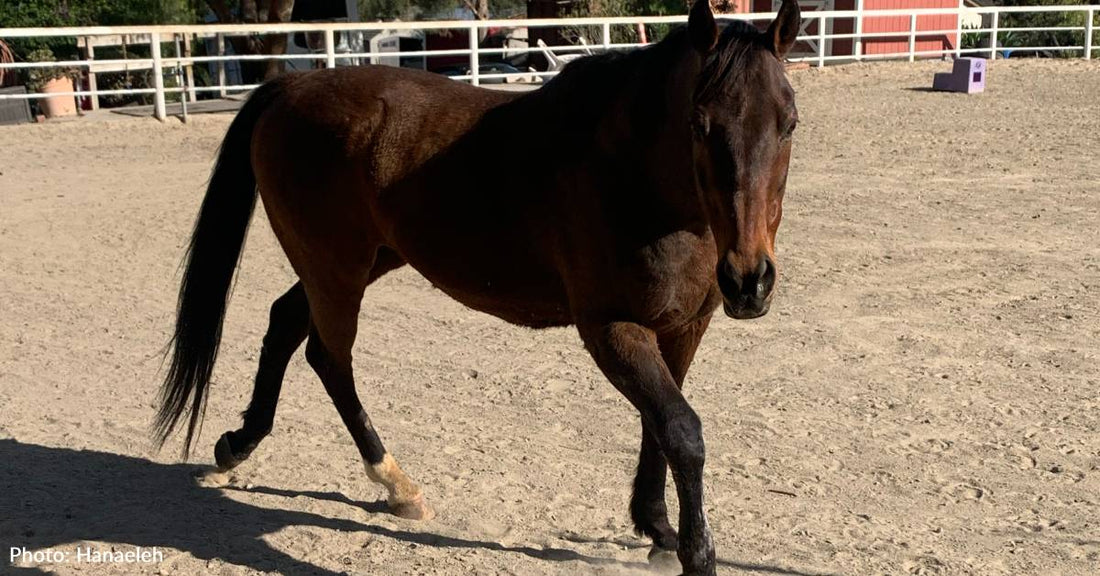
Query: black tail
point(212, 260)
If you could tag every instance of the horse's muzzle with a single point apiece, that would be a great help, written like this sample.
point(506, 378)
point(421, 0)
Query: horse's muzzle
point(746, 311)
point(747, 296)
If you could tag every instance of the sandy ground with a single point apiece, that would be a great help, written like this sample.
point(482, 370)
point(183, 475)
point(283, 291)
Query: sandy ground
point(923, 398)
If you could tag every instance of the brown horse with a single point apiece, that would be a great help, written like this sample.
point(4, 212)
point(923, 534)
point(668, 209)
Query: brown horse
point(663, 203)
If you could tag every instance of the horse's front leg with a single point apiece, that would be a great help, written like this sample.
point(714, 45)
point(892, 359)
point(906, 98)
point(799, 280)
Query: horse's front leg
point(629, 355)
point(647, 503)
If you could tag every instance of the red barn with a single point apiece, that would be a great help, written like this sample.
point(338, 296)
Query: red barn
point(871, 25)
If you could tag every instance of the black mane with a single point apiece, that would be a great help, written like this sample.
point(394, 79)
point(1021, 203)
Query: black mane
point(584, 94)
point(728, 58)
point(614, 68)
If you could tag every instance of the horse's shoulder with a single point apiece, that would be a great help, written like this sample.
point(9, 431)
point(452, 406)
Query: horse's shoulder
point(668, 280)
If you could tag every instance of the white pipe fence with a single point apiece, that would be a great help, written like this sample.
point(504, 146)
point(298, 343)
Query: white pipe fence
point(159, 63)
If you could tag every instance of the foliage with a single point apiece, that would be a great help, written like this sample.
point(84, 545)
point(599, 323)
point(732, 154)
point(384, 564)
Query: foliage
point(43, 13)
point(625, 34)
point(1008, 38)
point(37, 78)
point(972, 40)
point(26, 13)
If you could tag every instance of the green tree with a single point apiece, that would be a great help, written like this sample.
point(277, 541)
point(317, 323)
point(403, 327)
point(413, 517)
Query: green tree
point(626, 34)
point(1043, 20)
point(49, 13)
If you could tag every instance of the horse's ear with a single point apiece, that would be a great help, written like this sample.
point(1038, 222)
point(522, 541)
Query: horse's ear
point(784, 29)
point(702, 28)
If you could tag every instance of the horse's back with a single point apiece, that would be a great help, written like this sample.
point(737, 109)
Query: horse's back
point(392, 119)
point(351, 159)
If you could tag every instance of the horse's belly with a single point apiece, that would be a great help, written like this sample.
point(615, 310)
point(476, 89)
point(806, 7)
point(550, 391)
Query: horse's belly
point(531, 308)
point(499, 271)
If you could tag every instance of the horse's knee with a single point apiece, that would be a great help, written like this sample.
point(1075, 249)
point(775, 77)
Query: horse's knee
point(683, 439)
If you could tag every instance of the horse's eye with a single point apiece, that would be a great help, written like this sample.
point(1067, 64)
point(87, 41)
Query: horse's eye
point(789, 130)
point(700, 122)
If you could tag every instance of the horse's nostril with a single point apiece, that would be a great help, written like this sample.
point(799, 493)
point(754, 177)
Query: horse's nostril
point(768, 278)
point(762, 267)
point(760, 284)
point(732, 277)
point(753, 285)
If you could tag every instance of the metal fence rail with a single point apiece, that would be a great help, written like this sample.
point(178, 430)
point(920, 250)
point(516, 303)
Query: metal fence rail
point(159, 63)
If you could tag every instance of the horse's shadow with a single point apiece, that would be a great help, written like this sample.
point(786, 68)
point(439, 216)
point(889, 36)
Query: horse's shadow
point(54, 497)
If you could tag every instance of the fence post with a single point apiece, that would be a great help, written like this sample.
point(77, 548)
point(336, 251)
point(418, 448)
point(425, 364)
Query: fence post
point(474, 65)
point(330, 49)
point(189, 72)
point(912, 37)
point(1088, 34)
point(993, 36)
point(820, 41)
point(93, 85)
point(607, 36)
point(221, 65)
point(858, 48)
point(958, 36)
point(158, 77)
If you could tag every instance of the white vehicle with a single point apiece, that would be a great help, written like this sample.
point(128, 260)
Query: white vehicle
point(392, 41)
point(347, 42)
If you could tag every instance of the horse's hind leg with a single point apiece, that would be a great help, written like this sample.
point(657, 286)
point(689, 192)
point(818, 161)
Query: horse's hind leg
point(335, 317)
point(286, 330)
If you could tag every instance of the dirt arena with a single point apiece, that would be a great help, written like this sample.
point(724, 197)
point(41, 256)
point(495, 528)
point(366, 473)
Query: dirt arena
point(923, 398)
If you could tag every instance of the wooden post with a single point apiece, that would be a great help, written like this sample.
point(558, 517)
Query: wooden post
point(188, 69)
point(93, 87)
point(912, 37)
point(475, 65)
point(1088, 34)
point(858, 48)
point(221, 66)
point(993, 36)
point(820, 42)
point(158, 77)
point(330, 49)
point(958, 31)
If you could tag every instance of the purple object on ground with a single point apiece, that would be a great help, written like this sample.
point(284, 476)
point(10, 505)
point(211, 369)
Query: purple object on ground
point(968, 76)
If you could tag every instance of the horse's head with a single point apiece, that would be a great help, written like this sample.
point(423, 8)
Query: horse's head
point(743, 118)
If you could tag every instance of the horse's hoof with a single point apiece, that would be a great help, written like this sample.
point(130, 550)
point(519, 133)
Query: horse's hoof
point(224, 456)
point(416, 510)
point(663, 559)
point(213, 478)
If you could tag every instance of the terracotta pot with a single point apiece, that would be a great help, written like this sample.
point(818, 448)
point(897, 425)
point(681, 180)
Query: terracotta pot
point(56, 106)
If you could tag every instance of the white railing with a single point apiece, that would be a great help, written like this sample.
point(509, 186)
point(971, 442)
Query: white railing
point(820, 41)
